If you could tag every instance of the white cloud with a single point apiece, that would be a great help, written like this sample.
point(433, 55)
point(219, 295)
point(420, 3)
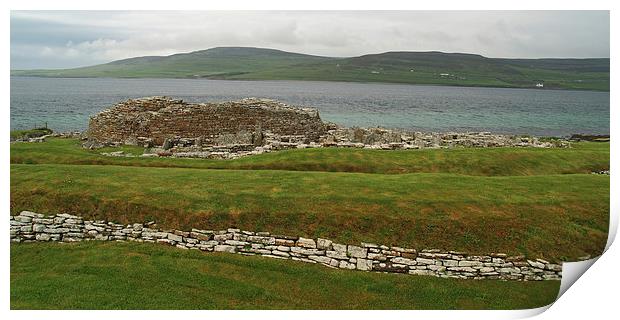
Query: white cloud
point(90, 37)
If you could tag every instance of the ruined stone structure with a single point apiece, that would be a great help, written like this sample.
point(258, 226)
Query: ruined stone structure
point(30, 226)
point(228, 130)
point(156, 119)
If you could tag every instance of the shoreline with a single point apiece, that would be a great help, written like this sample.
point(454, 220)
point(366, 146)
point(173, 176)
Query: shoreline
point(300, 80)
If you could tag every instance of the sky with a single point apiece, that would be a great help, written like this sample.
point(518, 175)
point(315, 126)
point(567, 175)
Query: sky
point(65, 39)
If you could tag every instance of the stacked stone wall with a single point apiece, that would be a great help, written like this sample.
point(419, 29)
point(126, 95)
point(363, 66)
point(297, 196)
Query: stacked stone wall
point(31, 227)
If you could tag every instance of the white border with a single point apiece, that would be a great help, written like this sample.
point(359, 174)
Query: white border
point(594, 295)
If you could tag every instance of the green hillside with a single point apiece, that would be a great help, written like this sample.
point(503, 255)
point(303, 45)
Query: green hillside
point(440, 68)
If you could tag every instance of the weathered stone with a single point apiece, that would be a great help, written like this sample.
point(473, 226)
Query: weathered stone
point(450, 263)
point(337, 254)
point(369, 245)
point(56, 230)
point(364, 264)
point(323, 244)
point(462, 269)
point(466, 263)
point(31, 214)
point(43, 237)
point(43, 221)
point(377, 256)
point(24, 219)
point(190, 240)
point(284, 242)
point(405, 250)
point(223, 237)
point(306, 243)
point(340, 248)
point(436, 268)
point(357, 252)
point(320, 259)
point(404, 261)
point(225, 248)
point(262, 239)
point(280, 253)
point(200, 236)
point(509, 270)
point(424, 261)
point(536, 264)
point(422, 272)
point(346, 265)
point(236, 243)
point(308, 252)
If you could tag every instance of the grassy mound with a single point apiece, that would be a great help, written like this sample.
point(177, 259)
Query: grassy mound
point(553, 217)
point(147, 276)
point(582, 158)
point(32, 133)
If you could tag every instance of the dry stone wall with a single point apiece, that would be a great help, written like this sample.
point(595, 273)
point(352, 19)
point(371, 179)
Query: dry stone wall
point(156, 119)
point(30, 227)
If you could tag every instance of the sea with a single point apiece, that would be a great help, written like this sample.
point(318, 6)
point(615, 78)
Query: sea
point(65, 104)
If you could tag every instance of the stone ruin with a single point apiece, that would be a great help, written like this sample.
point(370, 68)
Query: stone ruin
point(227, 130)
point(156, 121)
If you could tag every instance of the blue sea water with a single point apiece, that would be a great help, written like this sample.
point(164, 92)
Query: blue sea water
point(66, 104)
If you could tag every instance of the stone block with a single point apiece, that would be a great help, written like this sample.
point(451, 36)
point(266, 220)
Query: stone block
point(357, 252)
point(225, 248)
point(404, 261)
point(467, 263)
point(364, 264)
point(306, 243)
point(31, 214)
point(323, 244)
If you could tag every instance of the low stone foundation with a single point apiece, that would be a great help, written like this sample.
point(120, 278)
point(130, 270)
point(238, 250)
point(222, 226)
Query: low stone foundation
point(31, 227)
point(170, 127)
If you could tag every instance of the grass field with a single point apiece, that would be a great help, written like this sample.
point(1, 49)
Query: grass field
point(147, 276)
point(581, 158)
point(541, 205)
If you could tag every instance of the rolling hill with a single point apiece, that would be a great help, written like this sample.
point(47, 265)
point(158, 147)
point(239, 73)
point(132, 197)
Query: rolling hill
point(458, 69)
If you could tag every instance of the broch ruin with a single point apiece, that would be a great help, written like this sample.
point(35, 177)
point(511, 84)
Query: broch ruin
point(172, 127)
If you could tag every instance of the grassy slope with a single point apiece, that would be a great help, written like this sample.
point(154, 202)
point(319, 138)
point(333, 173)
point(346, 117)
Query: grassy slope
point(550, 216)
point(581, 158)
point(31, 133)
point(145, 276)
point(395, 67)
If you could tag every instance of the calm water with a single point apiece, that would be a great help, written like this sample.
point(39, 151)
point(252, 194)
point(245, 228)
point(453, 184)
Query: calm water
point(66, 104)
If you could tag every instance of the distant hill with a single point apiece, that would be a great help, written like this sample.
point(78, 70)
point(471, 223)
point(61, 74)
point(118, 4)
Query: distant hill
point(459, 69)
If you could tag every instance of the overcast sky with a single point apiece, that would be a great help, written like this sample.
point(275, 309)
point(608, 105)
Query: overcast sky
point(57, 39)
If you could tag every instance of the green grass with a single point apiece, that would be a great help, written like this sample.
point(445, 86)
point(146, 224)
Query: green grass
point(392, 67)
point(31, 133)
point(581, 158)
point(148, 276)
point(551, 216)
